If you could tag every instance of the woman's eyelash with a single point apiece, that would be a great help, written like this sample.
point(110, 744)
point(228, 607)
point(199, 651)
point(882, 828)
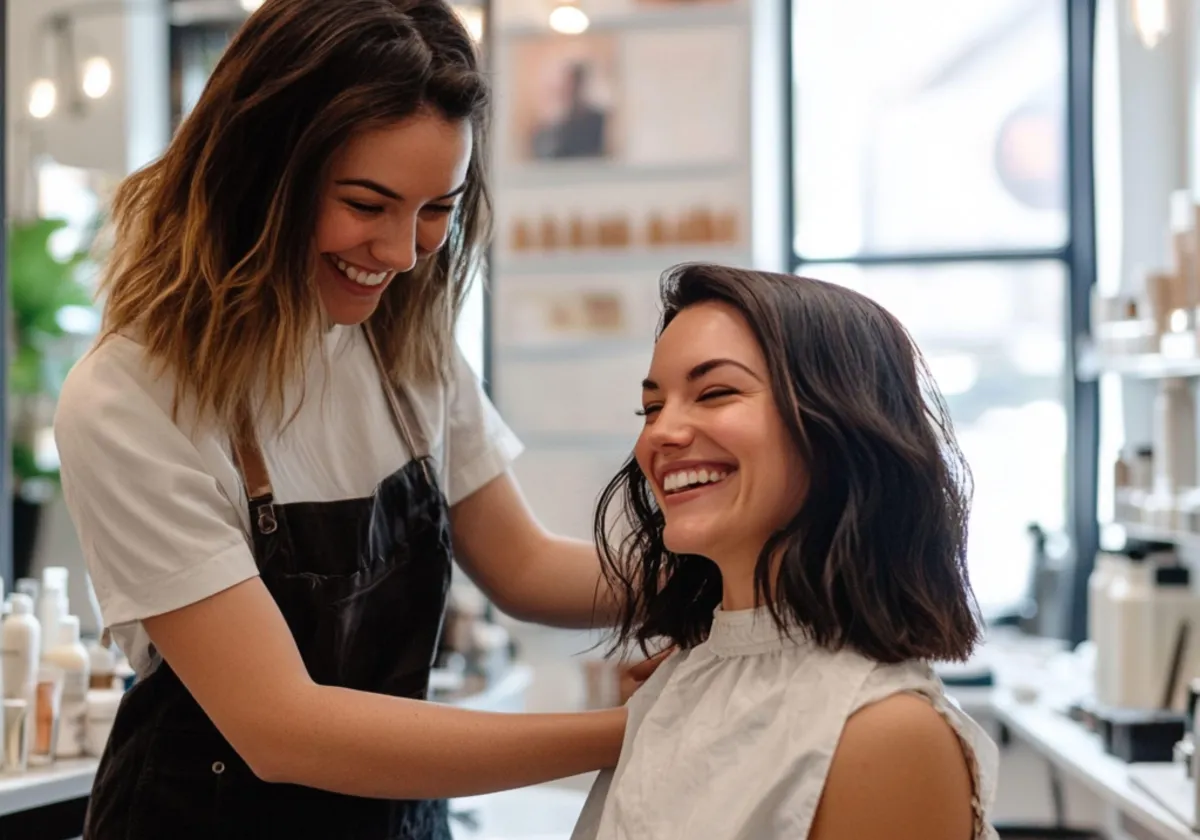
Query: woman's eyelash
point(708, 395)
point(440, 208)
point(364, 208)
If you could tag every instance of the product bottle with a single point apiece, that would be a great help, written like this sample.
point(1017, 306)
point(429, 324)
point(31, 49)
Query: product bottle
point(102, 663)
point(70, 657)
point(1175, 604)
point(20, 640)
point(1174, 437)
point(1131, 602)
point(1107, 569)
point(53, 604)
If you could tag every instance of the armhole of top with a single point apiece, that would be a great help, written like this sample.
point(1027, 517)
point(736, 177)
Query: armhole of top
point(970, 747)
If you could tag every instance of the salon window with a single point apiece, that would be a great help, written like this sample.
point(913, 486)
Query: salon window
point(929, 172)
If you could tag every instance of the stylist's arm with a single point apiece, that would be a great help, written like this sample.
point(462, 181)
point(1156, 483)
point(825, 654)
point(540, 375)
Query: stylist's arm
point(235, 655)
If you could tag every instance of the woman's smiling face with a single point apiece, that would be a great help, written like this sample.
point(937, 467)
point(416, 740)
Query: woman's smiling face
point(714, 446)
point(389, 201)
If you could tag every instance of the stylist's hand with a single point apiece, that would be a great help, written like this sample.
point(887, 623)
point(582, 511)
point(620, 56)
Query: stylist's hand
point(632, 676)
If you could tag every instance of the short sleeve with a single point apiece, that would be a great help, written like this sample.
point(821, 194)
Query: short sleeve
point(157, 531)
point(482, 446)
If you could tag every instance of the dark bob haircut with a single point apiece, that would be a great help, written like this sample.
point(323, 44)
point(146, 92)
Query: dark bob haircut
point(875, 558)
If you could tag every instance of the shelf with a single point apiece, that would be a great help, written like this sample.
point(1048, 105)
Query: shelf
point(62, 781)
point(708, 14)
point(572, 350)
point(570, 174)
point(579, 441)
point(608, 262)
point(1143, 366)
point(1182, 539)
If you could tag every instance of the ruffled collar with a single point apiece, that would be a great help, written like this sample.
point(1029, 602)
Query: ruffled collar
point(749, 632)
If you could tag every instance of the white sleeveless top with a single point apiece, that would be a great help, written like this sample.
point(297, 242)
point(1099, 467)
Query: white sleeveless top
point(733, 739)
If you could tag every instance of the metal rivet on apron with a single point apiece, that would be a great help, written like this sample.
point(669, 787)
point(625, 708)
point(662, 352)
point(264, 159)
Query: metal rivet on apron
point(218, 767)
point(266, 519)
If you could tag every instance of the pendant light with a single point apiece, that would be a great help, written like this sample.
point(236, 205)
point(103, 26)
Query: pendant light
point(566, 18)
point(1152, 20)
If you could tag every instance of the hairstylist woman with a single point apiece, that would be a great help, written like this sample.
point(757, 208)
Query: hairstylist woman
point(253, 456)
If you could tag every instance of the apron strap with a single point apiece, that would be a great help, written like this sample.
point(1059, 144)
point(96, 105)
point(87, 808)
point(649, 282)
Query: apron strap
point(249, 458)
point(248, 455)
point(407, 423)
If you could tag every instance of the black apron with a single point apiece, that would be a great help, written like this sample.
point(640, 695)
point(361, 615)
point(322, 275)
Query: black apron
point(362, 584)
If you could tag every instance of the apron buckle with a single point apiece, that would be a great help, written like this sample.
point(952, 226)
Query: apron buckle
point(266, 519)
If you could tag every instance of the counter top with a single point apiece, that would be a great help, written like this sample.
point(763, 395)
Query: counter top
point(1079, 754)
point(72, 778)
point(62, 781)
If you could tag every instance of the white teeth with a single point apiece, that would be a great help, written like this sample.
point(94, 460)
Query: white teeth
point(359, 276)
point(675, 481)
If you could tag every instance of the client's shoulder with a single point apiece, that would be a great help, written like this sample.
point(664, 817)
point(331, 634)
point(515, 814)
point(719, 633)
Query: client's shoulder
point(900, 767)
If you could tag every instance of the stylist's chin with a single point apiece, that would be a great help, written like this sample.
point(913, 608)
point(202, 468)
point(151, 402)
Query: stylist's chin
point(350, 293)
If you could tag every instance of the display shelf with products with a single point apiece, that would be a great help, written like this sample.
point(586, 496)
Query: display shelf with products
point(618, 155)
point(1152, 335)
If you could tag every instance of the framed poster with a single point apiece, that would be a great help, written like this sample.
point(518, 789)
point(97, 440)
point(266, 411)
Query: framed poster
point(565, 98)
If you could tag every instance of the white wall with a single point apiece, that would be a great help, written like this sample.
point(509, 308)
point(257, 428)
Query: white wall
point(122, 131)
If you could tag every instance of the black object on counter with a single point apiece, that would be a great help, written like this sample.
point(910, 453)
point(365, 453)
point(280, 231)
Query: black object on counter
point(1141, 735)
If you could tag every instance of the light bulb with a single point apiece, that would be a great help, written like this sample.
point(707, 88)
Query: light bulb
point(1152, 20)
point(97, 77)
point(43, 96)
point(567, 19)
point(472, 18)
point(251, 5)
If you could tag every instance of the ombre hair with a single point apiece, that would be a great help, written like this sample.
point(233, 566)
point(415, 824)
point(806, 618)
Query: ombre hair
point(214, 256)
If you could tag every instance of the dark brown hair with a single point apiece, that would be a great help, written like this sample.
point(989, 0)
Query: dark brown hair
point(875, 558)
point(213, 257)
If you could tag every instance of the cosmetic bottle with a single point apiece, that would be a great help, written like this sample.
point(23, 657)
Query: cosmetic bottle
point(1175, 437)
point(20, 640)
point(1108, 567)
point(71, 658)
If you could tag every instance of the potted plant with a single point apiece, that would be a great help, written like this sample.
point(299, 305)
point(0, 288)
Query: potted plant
point(42, 288)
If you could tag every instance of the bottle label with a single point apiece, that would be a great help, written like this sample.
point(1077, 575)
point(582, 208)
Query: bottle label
point(75, 686)
point(71, 729)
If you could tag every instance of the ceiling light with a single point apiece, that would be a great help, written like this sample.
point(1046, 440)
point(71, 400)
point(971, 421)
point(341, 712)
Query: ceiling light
point(1152, 20)
point(43, 96)
point(568, 19)
point(97, 77)
point(251, 5)
point(472, 18)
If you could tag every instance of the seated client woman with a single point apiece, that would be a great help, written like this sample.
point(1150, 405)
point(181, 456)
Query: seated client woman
point(793, 521)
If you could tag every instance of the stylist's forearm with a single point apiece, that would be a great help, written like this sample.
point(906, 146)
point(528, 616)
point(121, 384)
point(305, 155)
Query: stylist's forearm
point(386, 747)
point(563, 587)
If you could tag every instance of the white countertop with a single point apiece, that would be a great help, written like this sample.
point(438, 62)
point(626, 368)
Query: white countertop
point(72, 778)
point(1080, 754)
point(62, 781)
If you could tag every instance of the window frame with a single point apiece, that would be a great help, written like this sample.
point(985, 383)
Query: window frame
point(1077, 256)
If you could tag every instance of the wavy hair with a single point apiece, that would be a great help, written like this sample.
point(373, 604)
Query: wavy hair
point(875, 558)
point(213, 258)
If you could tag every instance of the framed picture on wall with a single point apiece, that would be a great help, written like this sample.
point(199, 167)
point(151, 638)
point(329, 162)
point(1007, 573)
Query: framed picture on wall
point(566, 98)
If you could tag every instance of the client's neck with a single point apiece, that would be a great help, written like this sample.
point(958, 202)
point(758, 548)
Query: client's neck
point(737, 581)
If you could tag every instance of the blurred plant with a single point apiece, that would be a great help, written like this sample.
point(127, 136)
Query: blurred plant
point(42, 289)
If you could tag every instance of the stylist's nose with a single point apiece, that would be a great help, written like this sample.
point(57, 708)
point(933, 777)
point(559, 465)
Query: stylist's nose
point(398, 248)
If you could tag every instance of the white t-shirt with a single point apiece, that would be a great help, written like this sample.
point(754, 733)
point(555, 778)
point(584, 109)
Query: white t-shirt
point(734, 738)
point(160, 510)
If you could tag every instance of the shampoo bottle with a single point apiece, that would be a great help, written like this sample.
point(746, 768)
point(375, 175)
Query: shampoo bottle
point(70, 657)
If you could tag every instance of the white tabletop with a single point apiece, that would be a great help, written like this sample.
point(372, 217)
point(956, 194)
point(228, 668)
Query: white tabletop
point(62, 781)
point(1080, 754)
point(72, 779)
